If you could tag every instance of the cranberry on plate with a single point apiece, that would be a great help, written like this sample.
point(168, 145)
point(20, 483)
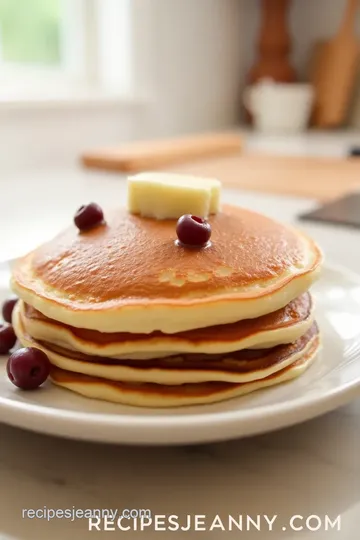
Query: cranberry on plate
point(8, 308)
point(28, 368)
point(7, 338)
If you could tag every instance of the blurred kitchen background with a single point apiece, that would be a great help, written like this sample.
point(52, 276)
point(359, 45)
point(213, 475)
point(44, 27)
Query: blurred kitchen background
point(273, 84)
point(81, 74)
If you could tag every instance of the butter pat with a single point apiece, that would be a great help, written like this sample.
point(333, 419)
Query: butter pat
point(169, 196)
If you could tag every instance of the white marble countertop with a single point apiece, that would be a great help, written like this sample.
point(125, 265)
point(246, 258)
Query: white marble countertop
point(310, 469)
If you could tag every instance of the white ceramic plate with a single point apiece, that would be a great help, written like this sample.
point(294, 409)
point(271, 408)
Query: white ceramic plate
point(331, 381)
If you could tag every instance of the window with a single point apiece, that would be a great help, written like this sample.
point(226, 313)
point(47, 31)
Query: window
point(30, 32)
point(64, 48)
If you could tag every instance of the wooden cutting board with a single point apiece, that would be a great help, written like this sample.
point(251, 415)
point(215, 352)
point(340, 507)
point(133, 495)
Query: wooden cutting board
point(219, 156)
point(333, 72)
point(147, 155)
point(316, 178)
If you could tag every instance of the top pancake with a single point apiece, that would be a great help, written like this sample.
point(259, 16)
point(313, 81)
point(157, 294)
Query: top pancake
point(131, 275)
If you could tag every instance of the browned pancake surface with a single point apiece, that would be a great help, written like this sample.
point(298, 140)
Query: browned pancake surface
point(130, 258)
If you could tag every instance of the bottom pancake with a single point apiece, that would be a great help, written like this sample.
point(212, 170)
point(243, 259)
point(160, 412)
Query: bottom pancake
point(157, 395)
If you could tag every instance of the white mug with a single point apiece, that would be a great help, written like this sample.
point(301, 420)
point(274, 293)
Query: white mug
point(279, 107)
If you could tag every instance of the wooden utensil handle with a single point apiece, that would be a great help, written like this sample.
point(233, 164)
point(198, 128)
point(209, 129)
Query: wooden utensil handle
point(347, 25)
point(274, 36)
point(273, 44)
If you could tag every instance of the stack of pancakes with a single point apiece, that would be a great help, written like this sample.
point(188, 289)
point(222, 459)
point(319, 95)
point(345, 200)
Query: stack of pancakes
point(128, 315)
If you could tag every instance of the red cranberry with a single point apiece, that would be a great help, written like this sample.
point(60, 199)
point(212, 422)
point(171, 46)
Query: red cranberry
point(88, 216)
point(7, 308)
point(7, 338)
point(193, 230)
point(28, 368)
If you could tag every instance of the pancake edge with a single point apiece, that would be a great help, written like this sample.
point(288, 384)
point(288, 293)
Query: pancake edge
point(164, 345)
point(153, 375)
point(173, 317)
point(104, 392)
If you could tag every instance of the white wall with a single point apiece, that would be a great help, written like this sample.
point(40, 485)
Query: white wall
point(200, 52)
point(57, 134)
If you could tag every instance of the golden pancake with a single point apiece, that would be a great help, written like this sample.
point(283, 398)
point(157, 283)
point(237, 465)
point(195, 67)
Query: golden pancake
point(238, 366)
point(283, 326)
point(131, 275)
point(157, 395)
